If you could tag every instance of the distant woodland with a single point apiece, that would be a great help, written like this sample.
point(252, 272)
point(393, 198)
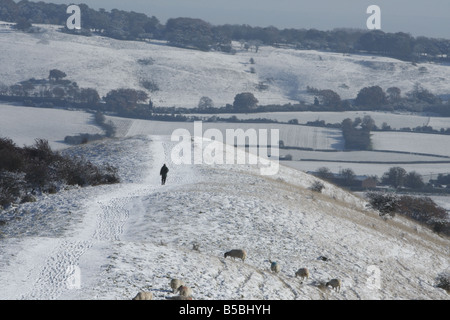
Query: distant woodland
point(200, 35)
point(57, 90)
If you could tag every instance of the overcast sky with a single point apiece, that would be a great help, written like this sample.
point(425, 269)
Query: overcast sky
point(418, 17)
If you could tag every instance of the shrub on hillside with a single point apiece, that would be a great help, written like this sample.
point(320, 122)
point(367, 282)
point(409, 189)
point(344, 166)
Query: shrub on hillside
point(385, 203)
point(150, 85)
point(421, 209)
point(11, 186)
point(82, 138)
point(108, 126)
point(39, 168)
point(425, 211)
point(81, 172)
point(443, 281)
point(10, 155)
point(317, 186)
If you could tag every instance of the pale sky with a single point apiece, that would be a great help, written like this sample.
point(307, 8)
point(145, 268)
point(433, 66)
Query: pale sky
point(417, 17)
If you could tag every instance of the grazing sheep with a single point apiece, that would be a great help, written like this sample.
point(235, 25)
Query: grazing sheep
point(175, 284)
point(185, 291)
point(275, 267)
point(335, 284)
point(144, 296)
point(303, 273)
point(236, 253)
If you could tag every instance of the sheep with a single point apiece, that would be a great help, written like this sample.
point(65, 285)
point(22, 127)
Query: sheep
point(175, 284)
point(303, 273)
point(236, 253)
point(275, 267)
point(185, 291)
point(144, 296)
point(335, 284)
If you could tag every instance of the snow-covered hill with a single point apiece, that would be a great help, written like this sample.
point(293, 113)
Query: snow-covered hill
point(110, 242)
point(184, 76)
point(25, 124)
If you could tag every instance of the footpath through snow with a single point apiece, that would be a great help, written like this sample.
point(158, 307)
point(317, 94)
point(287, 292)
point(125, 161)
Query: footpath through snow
point(52, 261)
point(110, 242)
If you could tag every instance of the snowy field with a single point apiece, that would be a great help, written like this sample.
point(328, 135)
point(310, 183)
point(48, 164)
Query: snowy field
point(395, 120)
point(297, 136)
point(427, 171)
point(362, 156)
point(110, 242)
point(54, 125)
point(328, 139)
point(25, 124)
point(367, 162)
point(443, 201)
point(412, 142)
point(184, 76)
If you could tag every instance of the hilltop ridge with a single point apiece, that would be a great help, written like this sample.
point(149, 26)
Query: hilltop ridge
point(180, 77)
point(137, 235)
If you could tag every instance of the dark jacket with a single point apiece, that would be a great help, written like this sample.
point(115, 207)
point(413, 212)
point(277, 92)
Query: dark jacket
point(164, 171)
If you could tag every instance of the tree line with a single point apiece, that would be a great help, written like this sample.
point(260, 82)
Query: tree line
point(56, 90)
point(371, 98)
point(133, 103)
point(198, 34)
point(375, 98)
point(395, 177)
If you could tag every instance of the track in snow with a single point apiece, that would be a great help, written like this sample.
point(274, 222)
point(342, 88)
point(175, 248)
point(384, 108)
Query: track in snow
point(59, 271)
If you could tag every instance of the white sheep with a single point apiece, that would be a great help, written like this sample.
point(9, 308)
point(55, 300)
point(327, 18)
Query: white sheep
point(335, 284)
point(185, 291)
point(274, 266)
point(175, 284)
point(144, 296)
point(236, 253)
point(303, 273)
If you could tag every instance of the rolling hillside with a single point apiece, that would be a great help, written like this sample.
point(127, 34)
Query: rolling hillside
point(110, 242)
point(184, 76)
point(138, 235)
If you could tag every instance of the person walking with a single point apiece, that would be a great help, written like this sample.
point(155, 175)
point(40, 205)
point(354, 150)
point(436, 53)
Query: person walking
point(163, 174)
